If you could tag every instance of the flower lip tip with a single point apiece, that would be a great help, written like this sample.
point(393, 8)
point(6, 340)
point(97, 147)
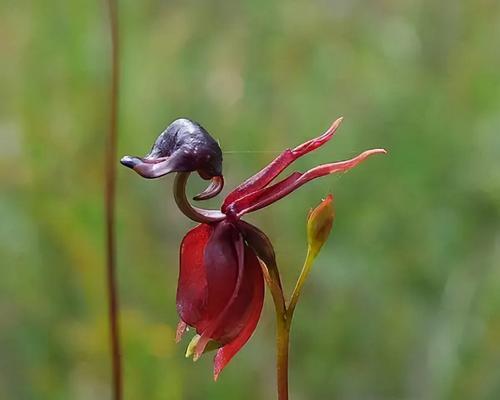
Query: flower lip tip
point(129, 161)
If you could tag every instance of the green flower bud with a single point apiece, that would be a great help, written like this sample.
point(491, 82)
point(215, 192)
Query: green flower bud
point(319, 224)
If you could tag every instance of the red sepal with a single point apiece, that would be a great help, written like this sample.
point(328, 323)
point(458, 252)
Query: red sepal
point(278, 165)
point(268, 195)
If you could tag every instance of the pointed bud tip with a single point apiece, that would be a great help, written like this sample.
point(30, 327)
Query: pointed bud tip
point(323, 209)
point(320, 222)
point(328, 199)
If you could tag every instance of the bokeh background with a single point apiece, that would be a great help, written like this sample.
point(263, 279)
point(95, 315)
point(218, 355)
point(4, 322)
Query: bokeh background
point(404, 300)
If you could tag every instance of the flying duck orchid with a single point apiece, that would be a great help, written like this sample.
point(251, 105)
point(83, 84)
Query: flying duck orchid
point(223, 259)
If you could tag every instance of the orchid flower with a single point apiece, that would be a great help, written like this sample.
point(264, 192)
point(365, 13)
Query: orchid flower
point(224, 260)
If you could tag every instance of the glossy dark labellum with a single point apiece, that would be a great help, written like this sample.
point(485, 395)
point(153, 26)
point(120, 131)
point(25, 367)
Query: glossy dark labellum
point(185, 146)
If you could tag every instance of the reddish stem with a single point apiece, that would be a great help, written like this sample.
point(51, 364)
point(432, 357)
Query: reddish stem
point(110, 194)
point(283, 320)
point(282, 346)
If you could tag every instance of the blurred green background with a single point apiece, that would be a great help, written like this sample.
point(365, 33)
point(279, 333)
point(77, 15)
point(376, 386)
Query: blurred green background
point(404, 300)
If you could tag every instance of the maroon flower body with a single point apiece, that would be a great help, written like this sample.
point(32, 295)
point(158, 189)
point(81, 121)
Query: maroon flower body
point(220, 290)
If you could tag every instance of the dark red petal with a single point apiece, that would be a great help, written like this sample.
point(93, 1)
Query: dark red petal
point(234, 319)
point(221, 268)
point(248, 320)
point(192, 285)
point(224, 261)
point(272, 170)
point(270, 194)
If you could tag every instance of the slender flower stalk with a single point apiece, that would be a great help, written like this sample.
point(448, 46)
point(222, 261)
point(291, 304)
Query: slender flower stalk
point(319, 225)
point(297, 291)
point(110, 195)
point(224, 261)
point(282, 348)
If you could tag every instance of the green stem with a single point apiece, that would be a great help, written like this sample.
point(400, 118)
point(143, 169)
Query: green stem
point(306, 268)
point(284, 316)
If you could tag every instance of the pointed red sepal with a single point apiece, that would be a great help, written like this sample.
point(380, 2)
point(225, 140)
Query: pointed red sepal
point(192, 289)
point(268, 195)
point(181, 330)
point(278, 165)
point(254, 287)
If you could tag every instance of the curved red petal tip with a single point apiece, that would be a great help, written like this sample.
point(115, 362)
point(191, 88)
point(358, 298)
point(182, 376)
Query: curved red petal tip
point(313, 144)
point(378, 151)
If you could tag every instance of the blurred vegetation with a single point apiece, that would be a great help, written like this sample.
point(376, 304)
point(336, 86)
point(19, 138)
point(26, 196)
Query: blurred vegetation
point(404, 301)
